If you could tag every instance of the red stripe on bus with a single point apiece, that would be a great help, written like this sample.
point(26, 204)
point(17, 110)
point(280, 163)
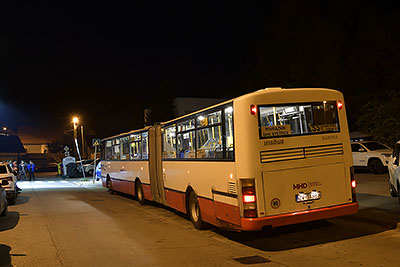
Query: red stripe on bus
point(251, 224)
point(175, 200)
point(227, 212)
point(207, 210)
point(147, 191)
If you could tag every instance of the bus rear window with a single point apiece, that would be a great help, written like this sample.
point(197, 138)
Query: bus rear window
point(298, 119)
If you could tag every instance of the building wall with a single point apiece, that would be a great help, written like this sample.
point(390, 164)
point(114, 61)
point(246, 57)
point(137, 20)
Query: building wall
point(36, 148)
point(185, 105)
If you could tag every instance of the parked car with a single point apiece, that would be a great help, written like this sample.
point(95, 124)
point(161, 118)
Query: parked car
point(88, 166)
point(7, 174)
point(3, 198)
point(394, 172)
point(372, 155)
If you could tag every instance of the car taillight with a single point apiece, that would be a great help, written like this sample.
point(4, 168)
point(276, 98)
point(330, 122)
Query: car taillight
point(249, 198)
point(353, 184)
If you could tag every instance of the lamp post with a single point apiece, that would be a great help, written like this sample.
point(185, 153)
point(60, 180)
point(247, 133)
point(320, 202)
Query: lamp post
point(75, 121)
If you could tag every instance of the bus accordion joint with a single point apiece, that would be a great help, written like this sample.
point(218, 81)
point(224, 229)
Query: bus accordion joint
point(353, 184)
point(253, 109)
point(249, 198)
point(339, 105)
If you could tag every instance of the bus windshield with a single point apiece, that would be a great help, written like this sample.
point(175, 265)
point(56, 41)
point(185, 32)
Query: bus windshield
point(298, 119)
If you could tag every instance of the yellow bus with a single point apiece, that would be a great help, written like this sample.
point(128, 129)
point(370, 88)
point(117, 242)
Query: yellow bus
point(269, 158)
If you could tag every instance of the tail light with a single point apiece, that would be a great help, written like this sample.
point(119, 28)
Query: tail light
point(339, 105)
point(353, 184)
point(253, 109)
point(249, 198)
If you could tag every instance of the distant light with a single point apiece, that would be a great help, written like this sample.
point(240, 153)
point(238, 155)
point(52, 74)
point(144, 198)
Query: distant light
point(75, 120)
point(200, 118)
point(4, 128)
point(339, 105)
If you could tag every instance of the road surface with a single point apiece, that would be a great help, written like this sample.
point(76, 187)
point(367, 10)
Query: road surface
point(57, 222)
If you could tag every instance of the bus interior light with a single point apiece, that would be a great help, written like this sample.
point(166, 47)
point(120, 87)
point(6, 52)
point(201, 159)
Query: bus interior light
point(253, 109)
point(339, 105)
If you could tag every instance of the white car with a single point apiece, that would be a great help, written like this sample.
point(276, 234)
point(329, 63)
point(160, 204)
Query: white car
point(371, 154)
point(88, 166)
point(394, 172)
point(6, 173)
point(3, 199)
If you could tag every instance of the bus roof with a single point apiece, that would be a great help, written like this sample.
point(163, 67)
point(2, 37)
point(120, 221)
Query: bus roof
point(260, 91)
point(126, 133)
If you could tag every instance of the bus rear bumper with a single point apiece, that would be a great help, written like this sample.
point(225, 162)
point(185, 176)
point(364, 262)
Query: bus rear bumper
point(253, 224)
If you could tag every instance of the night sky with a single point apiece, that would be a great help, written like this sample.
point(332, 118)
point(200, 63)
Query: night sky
point(107, 61)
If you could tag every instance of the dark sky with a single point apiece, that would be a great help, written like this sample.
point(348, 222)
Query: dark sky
point(106, 61)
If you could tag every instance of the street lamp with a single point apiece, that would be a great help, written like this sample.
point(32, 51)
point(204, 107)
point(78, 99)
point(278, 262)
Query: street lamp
point(75, 121)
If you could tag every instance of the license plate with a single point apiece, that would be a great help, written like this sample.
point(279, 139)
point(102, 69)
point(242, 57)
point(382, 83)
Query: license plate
point(313, 195)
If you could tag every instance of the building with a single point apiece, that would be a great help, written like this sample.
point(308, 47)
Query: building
point(186, 105)
point(11, 147)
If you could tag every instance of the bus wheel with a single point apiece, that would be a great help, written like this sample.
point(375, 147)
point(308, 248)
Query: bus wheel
point(375, 166)
point(398, 191)
point(139, 192)
point(109, 186)
point(392, 190)
point(194, 212)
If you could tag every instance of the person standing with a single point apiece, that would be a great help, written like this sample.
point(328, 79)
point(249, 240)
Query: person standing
point(31, 170)
point(22, 170)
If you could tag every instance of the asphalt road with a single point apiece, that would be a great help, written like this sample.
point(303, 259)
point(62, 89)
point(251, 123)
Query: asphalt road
point(58, 222)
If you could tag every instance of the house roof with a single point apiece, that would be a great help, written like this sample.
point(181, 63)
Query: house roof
point(11, 144)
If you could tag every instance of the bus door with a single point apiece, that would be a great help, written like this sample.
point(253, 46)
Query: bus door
point(155, 165)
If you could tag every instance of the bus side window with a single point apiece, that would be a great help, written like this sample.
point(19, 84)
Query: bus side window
point(108, 150)
point(229, 133)
point(145, 145)
point(169, 143)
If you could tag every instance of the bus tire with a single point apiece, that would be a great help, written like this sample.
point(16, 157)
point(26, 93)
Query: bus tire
point(375, 166)
point(392, 190)
point(194, 212)
point(139, 192)
point(398, 191)
point(109, 186)
point(5, 211)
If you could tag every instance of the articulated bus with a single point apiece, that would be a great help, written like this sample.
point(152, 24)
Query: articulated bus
point(270, 158)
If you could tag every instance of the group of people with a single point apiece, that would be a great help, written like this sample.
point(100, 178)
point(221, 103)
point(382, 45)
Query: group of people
point(24, 170)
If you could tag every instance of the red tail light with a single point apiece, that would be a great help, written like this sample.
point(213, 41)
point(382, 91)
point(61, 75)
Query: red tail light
point(253, 109)
point(249, 198)
point(339, 104)
point(353, 184)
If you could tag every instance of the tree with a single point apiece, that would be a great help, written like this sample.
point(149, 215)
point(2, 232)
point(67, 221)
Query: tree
point(380, 118)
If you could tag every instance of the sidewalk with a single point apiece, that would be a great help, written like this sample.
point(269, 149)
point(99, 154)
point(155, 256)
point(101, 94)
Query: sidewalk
point(84, 181)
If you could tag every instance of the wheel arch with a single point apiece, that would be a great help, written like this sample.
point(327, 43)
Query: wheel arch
point(189, 189)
